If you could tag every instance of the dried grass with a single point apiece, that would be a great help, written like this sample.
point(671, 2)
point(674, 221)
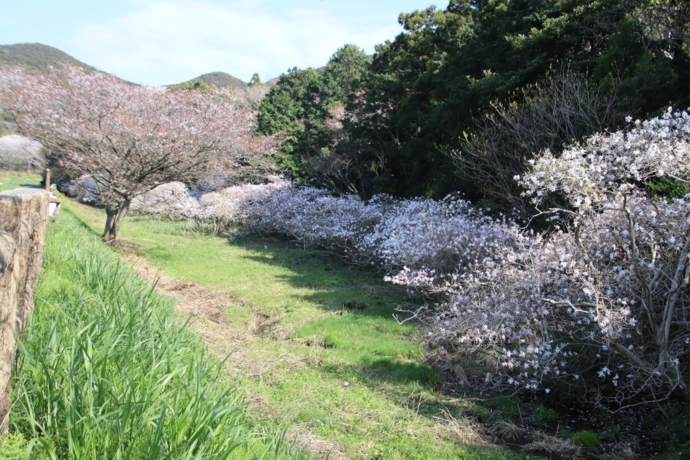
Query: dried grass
point(553, 445)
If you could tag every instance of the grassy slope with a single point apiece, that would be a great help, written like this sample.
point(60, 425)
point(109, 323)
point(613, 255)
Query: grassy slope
point(108, 371)
point(10, 180)
point(356, 379)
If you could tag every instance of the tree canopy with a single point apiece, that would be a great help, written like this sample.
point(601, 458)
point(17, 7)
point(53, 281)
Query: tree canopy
point(128, 138)
point(425, 92)
point(300, 105)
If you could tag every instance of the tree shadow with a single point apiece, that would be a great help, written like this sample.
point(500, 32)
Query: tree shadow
point(325, 282)
point(370, 338)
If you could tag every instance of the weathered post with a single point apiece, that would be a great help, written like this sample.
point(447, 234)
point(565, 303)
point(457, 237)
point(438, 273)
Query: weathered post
point(23, 220)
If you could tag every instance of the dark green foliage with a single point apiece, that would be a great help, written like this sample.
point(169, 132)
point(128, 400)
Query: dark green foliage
point(300, 105)
point(542, 415)
point(507, 406)
point(587, 439)
point(256, 80)
point(408, 106)
point(436, 83)
point(286, 110)
point(669, 188)
point(432, 82)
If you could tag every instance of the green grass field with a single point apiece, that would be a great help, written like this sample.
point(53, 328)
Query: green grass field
point(355, 379)
point(339, 383)
point(10, 180)
point(107, 370)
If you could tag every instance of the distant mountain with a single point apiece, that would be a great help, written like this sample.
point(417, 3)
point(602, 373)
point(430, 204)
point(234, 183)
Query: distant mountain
point(221, 80)
point(37, 56)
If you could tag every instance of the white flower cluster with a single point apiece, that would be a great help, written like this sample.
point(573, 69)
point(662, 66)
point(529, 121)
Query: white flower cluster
point(315, 217)
point(170, 200)
point(601, 300)
point(619, 161)
point(223, 208)
point(19, 152)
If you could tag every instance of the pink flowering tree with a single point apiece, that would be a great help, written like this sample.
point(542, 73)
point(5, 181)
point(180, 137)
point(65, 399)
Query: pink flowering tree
point(129, 139)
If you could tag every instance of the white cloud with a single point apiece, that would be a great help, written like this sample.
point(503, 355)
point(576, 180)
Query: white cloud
point(164, 42)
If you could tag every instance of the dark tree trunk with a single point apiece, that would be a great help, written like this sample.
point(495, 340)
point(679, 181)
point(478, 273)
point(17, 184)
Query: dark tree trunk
point(114, 218)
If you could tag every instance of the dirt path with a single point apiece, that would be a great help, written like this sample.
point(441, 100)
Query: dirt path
point(206, 307)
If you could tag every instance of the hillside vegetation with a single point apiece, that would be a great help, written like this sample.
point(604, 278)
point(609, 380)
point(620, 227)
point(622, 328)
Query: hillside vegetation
point(466, 95)
point(37, 56)
point(219, 79)
point(483, 240)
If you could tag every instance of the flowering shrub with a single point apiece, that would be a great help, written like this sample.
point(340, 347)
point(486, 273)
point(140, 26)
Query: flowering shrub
point(18, 152)
point(232, 205)
point(315, 216)
point(223, 208)
point(421, 241)
point(629, 261)
point(599, 303)
point(602, 303)
point(171, 200)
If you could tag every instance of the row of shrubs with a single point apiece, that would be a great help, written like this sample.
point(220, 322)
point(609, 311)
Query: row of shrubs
point(597, 304)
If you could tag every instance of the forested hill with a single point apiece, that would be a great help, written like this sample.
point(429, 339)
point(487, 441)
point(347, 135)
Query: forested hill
point(37, 56)
point(467, 95)
point(219, 79)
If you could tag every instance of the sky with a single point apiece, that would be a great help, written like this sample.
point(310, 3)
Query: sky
point(159, 42)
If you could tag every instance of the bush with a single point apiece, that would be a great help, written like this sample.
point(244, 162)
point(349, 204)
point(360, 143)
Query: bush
point(598, 303)
point(19, 152)
point(587, 439)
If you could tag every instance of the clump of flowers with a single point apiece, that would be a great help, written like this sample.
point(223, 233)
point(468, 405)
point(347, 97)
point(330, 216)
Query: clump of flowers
point(171, 200)
point(600, 302)
point(606, 296)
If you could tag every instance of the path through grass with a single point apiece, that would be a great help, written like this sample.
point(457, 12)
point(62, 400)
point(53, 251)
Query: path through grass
point(353, 378)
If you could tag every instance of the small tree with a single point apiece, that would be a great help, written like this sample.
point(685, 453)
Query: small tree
point(128, 138)
point(256, 80)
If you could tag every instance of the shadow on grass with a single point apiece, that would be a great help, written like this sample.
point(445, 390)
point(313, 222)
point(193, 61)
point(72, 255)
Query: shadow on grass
point(331, 285)
point(368, 342)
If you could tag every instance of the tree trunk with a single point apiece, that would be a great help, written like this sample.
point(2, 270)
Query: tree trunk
point(114, 218)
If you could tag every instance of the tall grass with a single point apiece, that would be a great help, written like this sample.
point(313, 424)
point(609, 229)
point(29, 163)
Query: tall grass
point(106, 371)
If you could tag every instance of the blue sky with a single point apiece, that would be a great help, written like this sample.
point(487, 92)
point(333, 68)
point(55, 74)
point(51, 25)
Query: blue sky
point(159, 42)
